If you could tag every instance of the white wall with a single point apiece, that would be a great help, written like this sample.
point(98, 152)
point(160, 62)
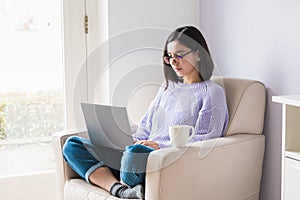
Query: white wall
point(258, 40)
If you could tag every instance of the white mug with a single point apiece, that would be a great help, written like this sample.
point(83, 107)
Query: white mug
point(180, 135)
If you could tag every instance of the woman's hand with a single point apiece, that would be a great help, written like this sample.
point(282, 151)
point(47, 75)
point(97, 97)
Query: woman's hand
point(148, 143)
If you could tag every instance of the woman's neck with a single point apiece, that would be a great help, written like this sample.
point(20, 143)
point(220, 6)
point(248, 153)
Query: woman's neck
point(192, 79)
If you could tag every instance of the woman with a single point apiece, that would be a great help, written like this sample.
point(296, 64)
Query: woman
point(187, 98)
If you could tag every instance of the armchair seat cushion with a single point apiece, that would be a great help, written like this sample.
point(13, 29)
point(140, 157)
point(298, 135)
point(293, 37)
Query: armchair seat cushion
point(79, 189)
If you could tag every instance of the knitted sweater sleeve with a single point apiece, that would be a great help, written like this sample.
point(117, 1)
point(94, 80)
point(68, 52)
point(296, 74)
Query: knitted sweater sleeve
point(211, 122)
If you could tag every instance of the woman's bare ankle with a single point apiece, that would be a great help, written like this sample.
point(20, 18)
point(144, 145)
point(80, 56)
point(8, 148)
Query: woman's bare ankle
point(103, 177)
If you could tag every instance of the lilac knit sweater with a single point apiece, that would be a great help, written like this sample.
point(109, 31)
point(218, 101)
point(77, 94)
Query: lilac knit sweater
point(202, 105)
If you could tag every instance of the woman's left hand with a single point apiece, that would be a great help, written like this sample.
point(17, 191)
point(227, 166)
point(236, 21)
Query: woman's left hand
point(148, 143)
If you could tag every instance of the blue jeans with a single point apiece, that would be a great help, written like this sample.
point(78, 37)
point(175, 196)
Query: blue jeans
point(133, 162)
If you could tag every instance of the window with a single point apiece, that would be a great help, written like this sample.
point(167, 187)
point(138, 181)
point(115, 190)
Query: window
point(31, 84)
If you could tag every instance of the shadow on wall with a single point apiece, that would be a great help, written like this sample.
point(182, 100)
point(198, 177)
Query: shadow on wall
point(272, 131)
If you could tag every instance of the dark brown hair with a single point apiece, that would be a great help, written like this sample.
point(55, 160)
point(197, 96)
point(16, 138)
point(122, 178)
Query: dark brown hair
point(192, 38)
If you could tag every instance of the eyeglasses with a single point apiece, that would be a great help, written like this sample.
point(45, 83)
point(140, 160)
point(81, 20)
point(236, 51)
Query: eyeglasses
point(168, 58)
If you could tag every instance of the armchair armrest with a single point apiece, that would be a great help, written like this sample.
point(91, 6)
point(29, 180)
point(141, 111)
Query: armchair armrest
point(63, 171)
point(225, 168)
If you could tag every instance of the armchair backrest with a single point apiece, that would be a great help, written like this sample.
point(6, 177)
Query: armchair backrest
point(246, 100)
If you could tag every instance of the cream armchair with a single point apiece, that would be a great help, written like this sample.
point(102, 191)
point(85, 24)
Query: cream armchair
point(227, 168)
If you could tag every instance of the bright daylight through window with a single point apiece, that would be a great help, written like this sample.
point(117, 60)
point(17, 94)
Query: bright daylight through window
point(31, 84)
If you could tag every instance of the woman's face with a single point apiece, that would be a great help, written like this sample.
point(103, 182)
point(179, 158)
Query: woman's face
point(185, 66)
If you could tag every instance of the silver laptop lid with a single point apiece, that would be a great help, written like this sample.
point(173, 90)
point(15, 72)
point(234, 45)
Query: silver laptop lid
point(107, 126)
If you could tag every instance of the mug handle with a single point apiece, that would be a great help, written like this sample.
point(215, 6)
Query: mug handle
point(193, 133)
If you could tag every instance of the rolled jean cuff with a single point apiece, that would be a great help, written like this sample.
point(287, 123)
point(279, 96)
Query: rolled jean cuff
point(91, 170)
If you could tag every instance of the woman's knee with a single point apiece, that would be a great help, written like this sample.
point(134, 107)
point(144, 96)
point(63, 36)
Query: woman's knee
point(134, 159)
point(135, 155)
point(138, 148)
point(71, 145)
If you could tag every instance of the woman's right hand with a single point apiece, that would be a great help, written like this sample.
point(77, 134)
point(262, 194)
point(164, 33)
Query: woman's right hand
point(148, 143)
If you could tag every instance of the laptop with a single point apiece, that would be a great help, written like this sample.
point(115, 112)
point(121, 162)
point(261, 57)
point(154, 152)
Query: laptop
point(109, 131)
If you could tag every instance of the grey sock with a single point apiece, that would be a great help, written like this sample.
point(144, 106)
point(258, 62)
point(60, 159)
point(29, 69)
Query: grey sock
point(125, 192)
